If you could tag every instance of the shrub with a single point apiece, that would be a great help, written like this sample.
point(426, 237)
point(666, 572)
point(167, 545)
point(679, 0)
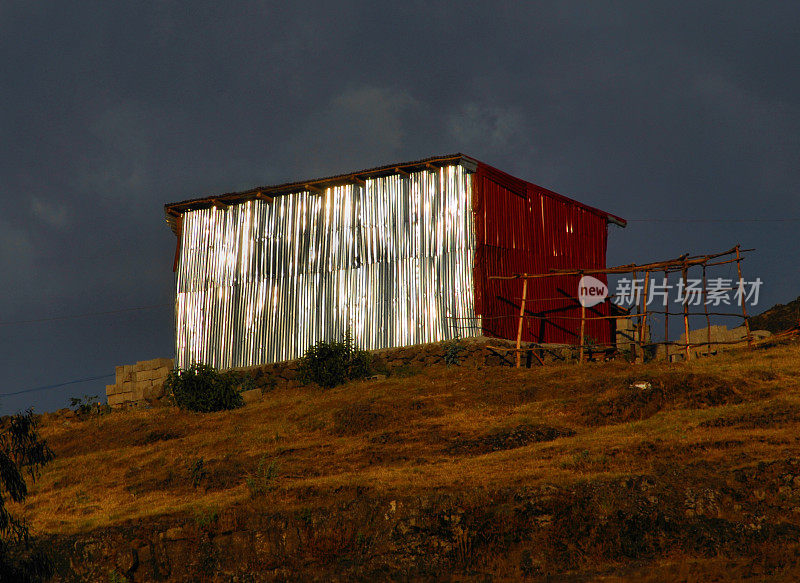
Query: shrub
point(87, 405)
point(333, 363)
point(452, 355)
point(203, 389)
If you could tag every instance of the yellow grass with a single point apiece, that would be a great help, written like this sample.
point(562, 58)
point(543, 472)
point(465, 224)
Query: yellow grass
point(134, 464)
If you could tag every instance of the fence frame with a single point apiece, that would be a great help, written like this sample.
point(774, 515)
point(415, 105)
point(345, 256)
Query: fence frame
point(680, 264)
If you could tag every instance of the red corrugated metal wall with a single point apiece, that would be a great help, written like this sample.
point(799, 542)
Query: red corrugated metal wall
point(523, 228)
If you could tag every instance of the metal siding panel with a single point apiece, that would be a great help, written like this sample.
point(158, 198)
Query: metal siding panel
point(533, 234)
point(260, 282)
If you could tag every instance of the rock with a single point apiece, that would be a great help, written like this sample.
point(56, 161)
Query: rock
point(127, 561)
point(144, 554)
point(175, 533)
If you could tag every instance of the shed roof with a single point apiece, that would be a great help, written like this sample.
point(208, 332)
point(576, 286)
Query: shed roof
point(175, 209)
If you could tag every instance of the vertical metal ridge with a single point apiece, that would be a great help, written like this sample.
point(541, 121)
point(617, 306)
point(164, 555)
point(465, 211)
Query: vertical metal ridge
point(391, 259)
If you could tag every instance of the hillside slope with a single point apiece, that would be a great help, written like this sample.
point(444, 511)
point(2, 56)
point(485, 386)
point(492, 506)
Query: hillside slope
point(556, 473)
point(778, 318)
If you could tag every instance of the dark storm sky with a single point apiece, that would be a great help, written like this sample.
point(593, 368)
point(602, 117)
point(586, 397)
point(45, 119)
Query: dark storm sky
point(108, 110)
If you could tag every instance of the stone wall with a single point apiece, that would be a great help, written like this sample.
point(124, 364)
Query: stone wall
point(143, 381)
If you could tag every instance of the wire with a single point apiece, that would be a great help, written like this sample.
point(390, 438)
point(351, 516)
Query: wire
point(45, 387)
point(714, 220)
point(87, 315)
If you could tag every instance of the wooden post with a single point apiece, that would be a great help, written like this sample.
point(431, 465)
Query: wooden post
point(583, 329)
point(666, 323)
point(705, 308)
point(521, 317)
point(643, 319)
point(634, 319)
point(741, 298)
point(685, 310)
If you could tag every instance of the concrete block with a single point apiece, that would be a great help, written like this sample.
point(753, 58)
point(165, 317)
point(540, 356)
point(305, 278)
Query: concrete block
point(119, 399)
point(139, 389)
point(162, 372)
point(163, 362)
point(155, 391)
point(123, 373)
point(143, 375)
point(112, 390)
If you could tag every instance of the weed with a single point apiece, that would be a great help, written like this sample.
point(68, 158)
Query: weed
point(452, 355)
point(197, 472)
point(405, 370)
point(86, 405)
point(158, 435)
point(263, 481)
point(115, 576)
point(357, 418)
point(205, 517)
point(584, 461)
point(503, 439)
point(305, 515)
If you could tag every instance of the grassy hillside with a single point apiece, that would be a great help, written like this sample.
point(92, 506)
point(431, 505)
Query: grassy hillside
point(778, 318)
point(562, 471)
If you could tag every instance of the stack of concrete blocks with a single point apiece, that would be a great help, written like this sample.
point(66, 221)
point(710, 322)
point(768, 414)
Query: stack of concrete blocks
point(140, 382)
point(733, 338)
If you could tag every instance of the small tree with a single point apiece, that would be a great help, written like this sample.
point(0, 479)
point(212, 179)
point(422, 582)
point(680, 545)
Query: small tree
point(203, 389)
point(21, 451)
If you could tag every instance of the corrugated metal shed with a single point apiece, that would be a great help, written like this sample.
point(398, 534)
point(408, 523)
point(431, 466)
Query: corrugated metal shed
point(400, 254)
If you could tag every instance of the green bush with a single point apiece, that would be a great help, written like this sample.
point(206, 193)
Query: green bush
point(203, 389)
point(22, 451)
point(332, 363)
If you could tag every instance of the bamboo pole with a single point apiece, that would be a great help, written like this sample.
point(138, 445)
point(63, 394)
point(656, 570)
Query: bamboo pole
point(583, 330)
point(521, 319)
point(676, 264)
point(643, 321)
point(741, 298)
point(705, 308)
point(666, 322)
point(685, 311)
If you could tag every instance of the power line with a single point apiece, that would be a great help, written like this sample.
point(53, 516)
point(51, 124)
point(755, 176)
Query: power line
point(86, 315)
point(45, 387)
point(714, 220)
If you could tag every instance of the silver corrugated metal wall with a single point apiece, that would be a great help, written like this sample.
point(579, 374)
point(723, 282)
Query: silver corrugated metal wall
point(392, 260)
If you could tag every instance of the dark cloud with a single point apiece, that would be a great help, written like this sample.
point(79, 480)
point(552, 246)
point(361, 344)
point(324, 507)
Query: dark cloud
point(107, 111)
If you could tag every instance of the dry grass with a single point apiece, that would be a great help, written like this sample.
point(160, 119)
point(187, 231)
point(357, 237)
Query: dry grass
point(443, 430)
point(398, 435)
